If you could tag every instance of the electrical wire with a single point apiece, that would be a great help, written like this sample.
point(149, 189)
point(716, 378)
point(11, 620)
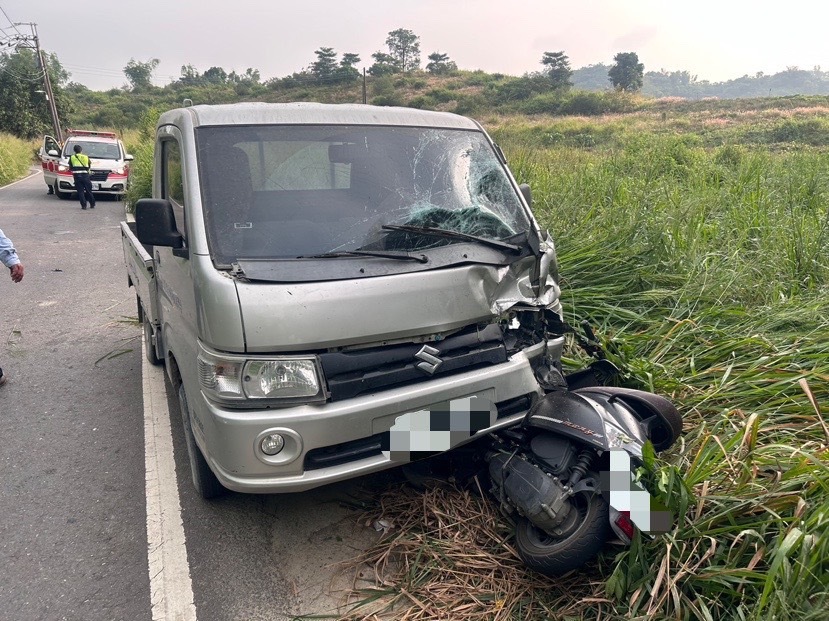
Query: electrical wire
point(10, 21)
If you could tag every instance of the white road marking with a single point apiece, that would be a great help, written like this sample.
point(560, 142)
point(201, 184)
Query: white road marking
point(171, 590)
point(8, 185)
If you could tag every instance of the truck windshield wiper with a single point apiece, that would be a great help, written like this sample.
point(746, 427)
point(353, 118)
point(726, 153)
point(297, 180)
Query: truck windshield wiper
point(400, 256)
point(436, 232)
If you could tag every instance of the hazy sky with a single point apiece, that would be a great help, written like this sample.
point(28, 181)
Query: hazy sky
point(713, 39)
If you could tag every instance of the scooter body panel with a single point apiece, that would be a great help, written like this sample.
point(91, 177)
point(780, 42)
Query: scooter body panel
point(570, 415)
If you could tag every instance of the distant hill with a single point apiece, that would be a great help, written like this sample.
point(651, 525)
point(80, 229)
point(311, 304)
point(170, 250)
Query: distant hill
point(664, 83)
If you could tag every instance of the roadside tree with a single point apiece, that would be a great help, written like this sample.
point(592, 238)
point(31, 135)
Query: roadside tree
point(24, 110)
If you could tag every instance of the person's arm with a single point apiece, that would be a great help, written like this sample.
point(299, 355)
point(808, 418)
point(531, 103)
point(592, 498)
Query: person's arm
point(8, 255)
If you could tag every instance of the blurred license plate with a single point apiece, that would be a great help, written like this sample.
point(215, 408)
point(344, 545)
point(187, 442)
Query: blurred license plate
point(438, 428)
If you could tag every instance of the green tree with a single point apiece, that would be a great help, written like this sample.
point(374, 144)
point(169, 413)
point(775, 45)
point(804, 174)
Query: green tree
point(347, 70)
point(189, 75)
point(243, 82)
point(384, 64)
point(557, 69)
point(404, 47)
point(24, 110)
point(215, 75)
point(440, 64)
point(140, 75)
point(326, 63)
point(627, 73)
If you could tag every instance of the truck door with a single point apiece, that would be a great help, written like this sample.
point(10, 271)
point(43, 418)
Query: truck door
point(176, 303)
point(49, 158)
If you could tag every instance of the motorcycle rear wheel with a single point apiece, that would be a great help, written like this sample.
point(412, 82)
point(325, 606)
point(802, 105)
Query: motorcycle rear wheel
point(553, 556)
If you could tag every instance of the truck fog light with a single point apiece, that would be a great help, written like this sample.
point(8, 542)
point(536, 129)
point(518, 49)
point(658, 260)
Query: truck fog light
point(272, 444)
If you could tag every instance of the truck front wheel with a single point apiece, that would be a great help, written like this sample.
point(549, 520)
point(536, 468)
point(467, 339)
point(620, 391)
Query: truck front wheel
point(206, 483)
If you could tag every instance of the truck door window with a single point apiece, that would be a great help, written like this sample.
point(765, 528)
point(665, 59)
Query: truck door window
point(172, 186)
point(50, 144)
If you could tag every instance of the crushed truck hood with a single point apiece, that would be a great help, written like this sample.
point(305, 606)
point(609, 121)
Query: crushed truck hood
point(319, 315)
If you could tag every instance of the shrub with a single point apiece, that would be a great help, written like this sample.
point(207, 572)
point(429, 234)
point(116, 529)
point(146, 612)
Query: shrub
point(422, 102)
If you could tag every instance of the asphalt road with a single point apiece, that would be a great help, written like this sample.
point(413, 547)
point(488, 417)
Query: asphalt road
point(73, 523)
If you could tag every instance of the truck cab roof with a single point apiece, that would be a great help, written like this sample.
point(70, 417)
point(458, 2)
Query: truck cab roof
point(303, 113)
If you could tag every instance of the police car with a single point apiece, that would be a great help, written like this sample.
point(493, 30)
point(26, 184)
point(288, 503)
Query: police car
point(109, 160)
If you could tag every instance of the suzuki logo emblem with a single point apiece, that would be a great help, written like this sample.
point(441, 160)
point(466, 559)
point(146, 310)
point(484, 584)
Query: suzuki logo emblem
point(429, 356)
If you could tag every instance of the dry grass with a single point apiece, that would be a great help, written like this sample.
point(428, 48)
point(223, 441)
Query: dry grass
point(448, 554)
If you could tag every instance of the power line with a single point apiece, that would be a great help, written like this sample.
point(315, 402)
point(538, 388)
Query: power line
point(10, 21)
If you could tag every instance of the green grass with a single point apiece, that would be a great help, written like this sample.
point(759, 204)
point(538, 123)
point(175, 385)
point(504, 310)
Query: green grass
point(15, 158)
point(705, 268)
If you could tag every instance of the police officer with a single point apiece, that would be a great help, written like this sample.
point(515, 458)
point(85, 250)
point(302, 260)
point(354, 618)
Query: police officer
point(79, 164)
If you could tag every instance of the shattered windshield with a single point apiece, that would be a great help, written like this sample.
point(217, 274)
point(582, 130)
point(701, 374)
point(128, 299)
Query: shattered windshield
point(291, 191)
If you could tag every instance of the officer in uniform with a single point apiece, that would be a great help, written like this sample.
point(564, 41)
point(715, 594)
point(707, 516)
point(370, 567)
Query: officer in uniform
point(79, 164)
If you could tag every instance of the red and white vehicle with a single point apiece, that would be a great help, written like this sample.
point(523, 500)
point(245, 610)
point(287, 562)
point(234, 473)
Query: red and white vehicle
point(109, 159)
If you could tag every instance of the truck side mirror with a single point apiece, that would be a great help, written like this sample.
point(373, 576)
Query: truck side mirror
point(155, 223)
point(53, 153)
point(527, 193)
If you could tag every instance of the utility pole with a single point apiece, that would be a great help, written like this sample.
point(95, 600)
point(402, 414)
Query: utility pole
point(50, 98)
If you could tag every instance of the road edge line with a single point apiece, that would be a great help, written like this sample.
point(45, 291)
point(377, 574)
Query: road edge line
point(29, 176)
point(171, 588)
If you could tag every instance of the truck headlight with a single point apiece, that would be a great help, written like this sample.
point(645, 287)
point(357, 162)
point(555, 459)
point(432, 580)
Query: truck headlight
point(62, 168)
point(270, 378)
point(281, 377)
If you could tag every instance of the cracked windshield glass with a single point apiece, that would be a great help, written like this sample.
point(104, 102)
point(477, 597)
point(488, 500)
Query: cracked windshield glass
point(290, 191)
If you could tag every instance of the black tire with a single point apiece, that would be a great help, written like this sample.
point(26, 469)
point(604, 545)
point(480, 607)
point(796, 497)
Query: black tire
point(64, 196)
point(205, 482)
point(665, 431)
point(149, 345)
point(553, 557)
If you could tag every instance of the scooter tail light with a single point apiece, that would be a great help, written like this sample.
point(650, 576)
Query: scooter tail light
point(625, 524)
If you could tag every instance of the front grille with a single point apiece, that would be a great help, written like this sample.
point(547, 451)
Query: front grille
point(346, 452)
point(98, 175)
point(352, 373)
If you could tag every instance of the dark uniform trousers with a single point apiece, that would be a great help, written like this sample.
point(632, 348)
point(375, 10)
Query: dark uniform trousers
point(84, 187)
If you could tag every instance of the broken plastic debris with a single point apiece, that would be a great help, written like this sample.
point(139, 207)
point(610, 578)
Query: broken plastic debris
point(382, 526)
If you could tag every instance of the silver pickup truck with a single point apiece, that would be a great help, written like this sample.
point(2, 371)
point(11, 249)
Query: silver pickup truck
point(338, 289)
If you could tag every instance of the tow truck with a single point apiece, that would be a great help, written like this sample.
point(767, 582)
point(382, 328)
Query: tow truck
point(109, 159)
